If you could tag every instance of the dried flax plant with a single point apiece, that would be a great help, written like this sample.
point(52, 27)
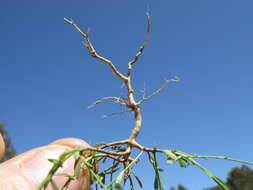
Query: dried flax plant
point(118, 155)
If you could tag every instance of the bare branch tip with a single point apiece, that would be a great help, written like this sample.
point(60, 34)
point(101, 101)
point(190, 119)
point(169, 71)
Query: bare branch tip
point(67, 21)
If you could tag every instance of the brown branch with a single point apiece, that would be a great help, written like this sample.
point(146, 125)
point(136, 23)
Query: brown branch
point(117, 100)
point(110, 152)
point(158, 90)
point(141, 49)
point(131, 143)
point(116, 113)
point(93, 52)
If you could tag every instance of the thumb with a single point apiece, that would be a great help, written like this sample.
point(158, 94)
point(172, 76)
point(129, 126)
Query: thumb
point(2, 147)
point(27, 170)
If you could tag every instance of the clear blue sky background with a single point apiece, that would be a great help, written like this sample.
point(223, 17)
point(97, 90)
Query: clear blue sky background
point(47, 79)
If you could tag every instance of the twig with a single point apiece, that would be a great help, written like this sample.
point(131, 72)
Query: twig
point(116, 113)
point(117, 100)
point(159, 90)
point(141, 49)
point(93, 52)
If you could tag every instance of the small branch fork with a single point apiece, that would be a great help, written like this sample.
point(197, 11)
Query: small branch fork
point(130, 103)
point(93, 52)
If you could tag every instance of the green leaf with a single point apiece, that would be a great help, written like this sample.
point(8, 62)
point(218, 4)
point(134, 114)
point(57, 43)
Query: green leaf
point(68, 154)
point(170, 154)
point(86, 162)
point(131, 183)
point(120, 176)
point(78, 168)
point(220, 182)
point(102, 177)
point(139, 181)
point(222, 158)
point(183, 163)
point(151, 159)
point(98, 179)
point(56, 162)
point(65, 175)
point(156, 183)
point(210, 174)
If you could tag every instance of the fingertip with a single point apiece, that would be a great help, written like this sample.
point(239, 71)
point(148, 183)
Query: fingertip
point(71, 142)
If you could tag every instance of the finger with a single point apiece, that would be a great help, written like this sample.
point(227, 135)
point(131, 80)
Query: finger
point(29, 169)
point(71, 142)
point(2, 147)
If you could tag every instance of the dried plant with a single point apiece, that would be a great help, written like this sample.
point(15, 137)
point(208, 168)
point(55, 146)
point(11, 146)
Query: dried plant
point(118, 155)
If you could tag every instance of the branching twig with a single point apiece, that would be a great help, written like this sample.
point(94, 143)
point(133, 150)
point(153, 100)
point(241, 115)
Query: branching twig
point(159, 90)
point(117, 100)
point(93, 52)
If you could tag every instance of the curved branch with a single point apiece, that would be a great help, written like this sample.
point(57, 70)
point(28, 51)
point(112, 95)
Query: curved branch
point(141, 49)
point(158, 90)
point(93, 52)
point(117, 100)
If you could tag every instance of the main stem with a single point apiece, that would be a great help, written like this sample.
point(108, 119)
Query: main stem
point(136, 109)
point(133, 105)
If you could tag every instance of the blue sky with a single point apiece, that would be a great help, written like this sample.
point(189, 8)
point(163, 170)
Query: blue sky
point(47, 78)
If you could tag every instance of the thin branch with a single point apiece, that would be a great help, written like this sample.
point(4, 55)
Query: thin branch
point(93, 52)
point(106, 145)
point(117, 100)
point(116, 113)
point(114, 165)
point(159, 90)
point(141, 49)
point(115, 158)
point(144, 91)
point(109, 152)
point(132, 144)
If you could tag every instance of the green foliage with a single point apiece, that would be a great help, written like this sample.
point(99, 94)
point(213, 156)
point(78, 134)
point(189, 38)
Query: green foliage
point(10, 151)
point(239, 178)
point(157, 181)
point(123, 171)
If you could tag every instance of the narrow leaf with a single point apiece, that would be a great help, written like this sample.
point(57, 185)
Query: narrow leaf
point(98, 179)
point(119, 177)
point(68, 154)
point(65, 175)
point(210, 174)
point(170, 154)
point(78, 168)
point(183, 163)
point(56, 162)
point(139, 181)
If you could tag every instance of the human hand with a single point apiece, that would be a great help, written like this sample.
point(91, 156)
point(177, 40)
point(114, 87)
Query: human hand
point(27, 170)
